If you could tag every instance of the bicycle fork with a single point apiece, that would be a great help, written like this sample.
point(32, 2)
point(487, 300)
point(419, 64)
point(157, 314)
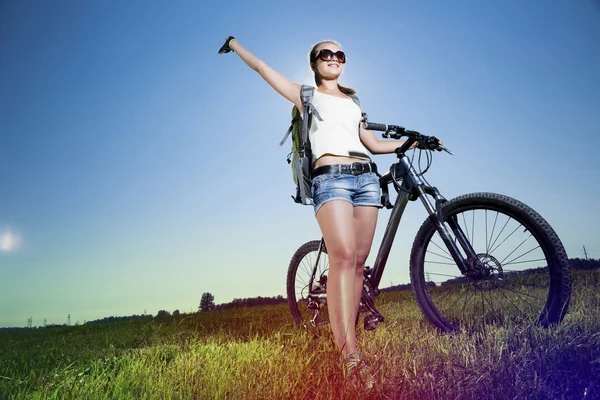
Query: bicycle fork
point(435, 213)
point(437, 217)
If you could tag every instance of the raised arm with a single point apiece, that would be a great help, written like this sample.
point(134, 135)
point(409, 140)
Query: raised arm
point(280, 83)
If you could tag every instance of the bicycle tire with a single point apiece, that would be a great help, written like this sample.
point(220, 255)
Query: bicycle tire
point(297, 286)
point(538, 294)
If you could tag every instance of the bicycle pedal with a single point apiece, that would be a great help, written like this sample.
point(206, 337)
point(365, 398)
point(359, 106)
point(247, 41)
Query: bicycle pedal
point(371, 322)
point(363, 308)
point(312, 305)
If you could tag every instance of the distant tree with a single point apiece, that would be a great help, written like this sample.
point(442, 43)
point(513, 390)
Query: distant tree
point(176, 312)
point(207, 302)
point(163, 313)
point(580, 263)
point(115, 319)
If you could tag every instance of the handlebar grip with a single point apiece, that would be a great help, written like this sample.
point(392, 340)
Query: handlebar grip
point(376, 127)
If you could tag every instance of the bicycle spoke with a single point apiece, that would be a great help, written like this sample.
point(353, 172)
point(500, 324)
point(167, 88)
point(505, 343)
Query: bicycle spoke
point(532, 285)
point(498, 237)
point(469, 298)
point(523, 294)
point(483, 309)
point(473, 229)
point(505, 239)
point(458, 298)
point(466, 230)
point(486, 231)
point(307, 266)
point(513, 304)
point(521, 262)
point(439, 262)
point(487, 247)
point(302, 279)
point(492, 307)
point(446, 294)
point(302, 282)
point(438, 274)
point(441, 248)
point(448, 290)
point(439, 255)
point(510, 254)
point(511, 261)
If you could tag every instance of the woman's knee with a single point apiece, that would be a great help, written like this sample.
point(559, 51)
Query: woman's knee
point(361, 258)
point(343, 256)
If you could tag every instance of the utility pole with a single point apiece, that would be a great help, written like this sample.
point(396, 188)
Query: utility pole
point(585, 252)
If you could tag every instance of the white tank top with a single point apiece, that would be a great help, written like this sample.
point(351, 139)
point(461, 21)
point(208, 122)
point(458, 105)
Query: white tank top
point(338, 133)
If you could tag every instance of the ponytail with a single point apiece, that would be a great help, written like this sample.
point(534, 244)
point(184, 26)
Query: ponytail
point(346, 90)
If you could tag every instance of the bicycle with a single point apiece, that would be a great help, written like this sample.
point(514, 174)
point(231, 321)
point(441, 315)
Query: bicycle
point(458, 283)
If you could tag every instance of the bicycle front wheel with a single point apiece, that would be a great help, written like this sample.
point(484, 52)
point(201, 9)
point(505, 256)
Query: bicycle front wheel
point(519, 274)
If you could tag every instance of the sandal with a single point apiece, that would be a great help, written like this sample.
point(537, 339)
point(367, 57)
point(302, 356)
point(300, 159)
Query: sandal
point(357, 371)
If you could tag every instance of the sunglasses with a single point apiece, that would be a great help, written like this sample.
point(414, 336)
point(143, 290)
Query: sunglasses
point(327, 55)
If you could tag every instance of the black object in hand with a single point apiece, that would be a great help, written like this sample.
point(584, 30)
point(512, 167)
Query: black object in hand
point(225, 48)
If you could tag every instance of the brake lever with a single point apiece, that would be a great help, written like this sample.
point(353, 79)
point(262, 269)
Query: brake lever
point(446, 150)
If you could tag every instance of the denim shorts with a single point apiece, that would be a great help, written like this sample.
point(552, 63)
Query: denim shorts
point(358, 190)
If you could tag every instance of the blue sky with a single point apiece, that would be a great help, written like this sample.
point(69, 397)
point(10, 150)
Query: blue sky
point(139, 169)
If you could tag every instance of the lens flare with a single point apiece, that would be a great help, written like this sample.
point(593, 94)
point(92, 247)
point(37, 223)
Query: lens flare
point(9, 240)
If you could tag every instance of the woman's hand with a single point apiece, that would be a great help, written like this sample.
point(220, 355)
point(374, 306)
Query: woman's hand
point(226, 48)
point(430, 143)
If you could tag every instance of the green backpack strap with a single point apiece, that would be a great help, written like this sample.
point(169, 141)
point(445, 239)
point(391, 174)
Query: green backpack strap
point(296, 118)
point(306, 95)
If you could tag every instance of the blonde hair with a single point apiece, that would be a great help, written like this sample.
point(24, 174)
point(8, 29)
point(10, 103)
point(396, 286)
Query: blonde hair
point(313, 56)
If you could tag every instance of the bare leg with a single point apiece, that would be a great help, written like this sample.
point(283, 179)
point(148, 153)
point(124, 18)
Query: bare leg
point(336, 220)
point(365, 221)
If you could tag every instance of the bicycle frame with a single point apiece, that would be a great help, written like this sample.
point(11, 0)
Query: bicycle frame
point(409, 186)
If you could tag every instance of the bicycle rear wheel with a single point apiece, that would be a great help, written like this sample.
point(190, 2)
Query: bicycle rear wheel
point(308, 262)
point(521, 273)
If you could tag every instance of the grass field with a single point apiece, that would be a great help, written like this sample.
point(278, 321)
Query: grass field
point(256, 353)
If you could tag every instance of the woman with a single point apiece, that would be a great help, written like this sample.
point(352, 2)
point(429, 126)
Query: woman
point(346, 195)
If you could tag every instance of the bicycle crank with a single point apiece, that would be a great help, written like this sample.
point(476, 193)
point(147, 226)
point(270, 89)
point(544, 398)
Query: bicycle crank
point(367, 299)
point(372, 321)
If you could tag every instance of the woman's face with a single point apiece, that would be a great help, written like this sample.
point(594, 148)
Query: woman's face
point(331, 69)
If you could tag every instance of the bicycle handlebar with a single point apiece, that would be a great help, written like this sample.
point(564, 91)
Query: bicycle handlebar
point(397, 132)
point(372, 126)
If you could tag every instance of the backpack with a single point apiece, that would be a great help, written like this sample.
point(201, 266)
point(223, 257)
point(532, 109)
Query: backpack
point(300, 157)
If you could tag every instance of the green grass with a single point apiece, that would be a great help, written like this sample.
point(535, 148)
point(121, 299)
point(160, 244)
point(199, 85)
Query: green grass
point(256, 353)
